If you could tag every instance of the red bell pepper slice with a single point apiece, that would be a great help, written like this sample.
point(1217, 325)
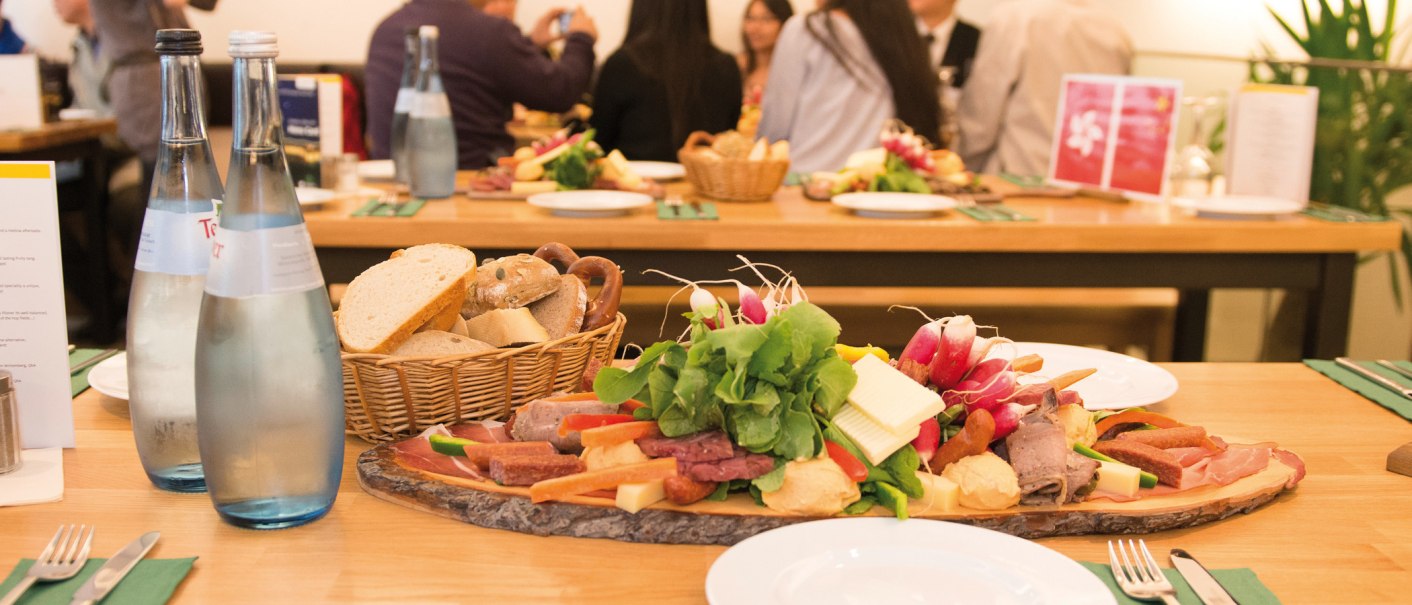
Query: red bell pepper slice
point(852, 466)
point(574, 423)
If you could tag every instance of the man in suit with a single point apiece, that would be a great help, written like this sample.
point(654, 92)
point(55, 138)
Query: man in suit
point(952, 42)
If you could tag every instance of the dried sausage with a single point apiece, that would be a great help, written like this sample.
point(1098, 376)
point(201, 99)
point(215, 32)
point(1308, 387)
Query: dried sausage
point(684, 490)
point(973, 439)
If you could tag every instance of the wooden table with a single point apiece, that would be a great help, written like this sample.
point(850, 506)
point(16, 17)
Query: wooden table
point(80, 140)
point(1081, 242)
point(1343, 536)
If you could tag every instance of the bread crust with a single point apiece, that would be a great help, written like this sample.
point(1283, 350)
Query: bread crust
point(511, 282)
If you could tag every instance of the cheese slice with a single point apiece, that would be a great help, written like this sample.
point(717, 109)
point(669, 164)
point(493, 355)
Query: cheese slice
point(890, 398)
point(1118, 478)
point(633, 497)
point(533, 187)
point(939, 492)
point(876, 441)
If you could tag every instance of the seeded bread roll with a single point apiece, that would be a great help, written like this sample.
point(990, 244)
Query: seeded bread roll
point(384, 305)
point(437, 343)
point(561, 313)
point(510, 283)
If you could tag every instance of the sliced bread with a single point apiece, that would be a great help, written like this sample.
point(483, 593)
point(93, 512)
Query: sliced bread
point(459, 327)
point(504, 327)
point(437, 343)
point(444, 320)
point(384, 305)
point(561, 313)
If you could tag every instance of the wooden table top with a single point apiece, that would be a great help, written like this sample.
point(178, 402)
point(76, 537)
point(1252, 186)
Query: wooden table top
point(1343, 536)
point(53, 134)
point(793, 223)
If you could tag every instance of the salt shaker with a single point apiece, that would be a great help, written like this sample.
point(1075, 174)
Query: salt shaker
point(9, 425)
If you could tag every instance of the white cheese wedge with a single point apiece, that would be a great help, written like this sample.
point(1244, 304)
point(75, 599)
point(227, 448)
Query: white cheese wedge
point(940, 493)
point(633, 497)
point(1118, 478)
point(876, 441)
point(876, 156)
point(890, 398)
point(533, 187)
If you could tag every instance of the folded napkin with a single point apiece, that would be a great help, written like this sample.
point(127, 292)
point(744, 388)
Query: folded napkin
point(374, 207)
point(1339, 214)
point(686, 212)
point(79, 381)
point(994, 212)
point(39, 479)
point(1367, 388)
point(1242, 583)
point(150, 581)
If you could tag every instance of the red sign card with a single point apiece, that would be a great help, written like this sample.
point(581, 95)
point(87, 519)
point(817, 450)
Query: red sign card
point(1115, 133)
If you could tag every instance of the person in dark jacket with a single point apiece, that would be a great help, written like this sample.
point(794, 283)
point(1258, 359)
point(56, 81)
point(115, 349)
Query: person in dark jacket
point(951, 41)
point(487, 65)
point(666, 81)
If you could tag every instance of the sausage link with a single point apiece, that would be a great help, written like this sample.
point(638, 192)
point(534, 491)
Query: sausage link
point(685, 490)
point(603, 309)
point(973, 439)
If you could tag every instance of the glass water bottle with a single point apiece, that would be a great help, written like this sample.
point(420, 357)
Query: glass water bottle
point(170, 273)
point(406, 94)
point(269, 388)
point(431, 137)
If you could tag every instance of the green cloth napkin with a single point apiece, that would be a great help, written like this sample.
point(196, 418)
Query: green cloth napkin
point(79, 382)
point(1242, 583)
point(1367, 388)
point(1339, 214)
point(374, 207)
point(686, 212)
point(150, 581)
point(994, 213)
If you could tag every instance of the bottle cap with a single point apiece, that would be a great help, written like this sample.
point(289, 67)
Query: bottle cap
point(253, 45)
point(429, 31)
point(178, 42)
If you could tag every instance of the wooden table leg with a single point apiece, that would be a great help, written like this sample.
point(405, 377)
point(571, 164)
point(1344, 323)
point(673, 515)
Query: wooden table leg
point(1189, 336)
point(1329, 310)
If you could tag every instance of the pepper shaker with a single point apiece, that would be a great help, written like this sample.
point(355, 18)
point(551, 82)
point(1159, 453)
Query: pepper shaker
point(9, 425)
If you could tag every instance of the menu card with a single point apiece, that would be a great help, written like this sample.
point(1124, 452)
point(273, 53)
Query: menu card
point(19, 92)
point(1270, 141)
point(312, 107)
point(1115, 134)
point(33, 335)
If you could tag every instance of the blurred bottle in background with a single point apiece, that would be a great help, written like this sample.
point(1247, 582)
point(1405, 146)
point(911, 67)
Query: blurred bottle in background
point(431, 137)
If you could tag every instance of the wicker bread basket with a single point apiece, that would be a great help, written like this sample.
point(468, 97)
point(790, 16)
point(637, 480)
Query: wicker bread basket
point(387, 397)
point(729, 179)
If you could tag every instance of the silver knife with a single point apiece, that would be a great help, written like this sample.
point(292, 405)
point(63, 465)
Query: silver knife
point(1201, 581)
point(1381, 380)
point(113, 571)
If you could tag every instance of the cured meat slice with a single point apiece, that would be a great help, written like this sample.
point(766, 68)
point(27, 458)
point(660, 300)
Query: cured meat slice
point(1038, 453)
point(746, 466)
point(486, 431)
point(699, 447)
point(539, 420)
point(1145, 457)
point(529, 470)
point(1291, 460)
point(1181, 436)
point(416, 453)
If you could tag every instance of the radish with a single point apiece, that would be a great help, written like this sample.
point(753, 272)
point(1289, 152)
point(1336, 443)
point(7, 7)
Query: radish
point(979, 349)
point(1000, 387)
point(981, 373)
point(953, 352)
point(1007, 418)
point(922, 347)
point(928, 439)
point(704, 303)
point(751, 309)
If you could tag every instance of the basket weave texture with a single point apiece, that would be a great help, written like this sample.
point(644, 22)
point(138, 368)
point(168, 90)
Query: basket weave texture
point(387, 398)
point(730, 179)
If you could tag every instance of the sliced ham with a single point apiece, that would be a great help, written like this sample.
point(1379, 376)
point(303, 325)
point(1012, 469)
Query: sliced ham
point(1187, 456)
point(1293, 461)
point(485, 431)
point(416, 453)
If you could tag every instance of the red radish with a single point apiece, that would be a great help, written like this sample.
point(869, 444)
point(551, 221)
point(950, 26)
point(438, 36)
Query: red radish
point(922, 347)
point(962, 394)
point(751, 309)
point(981, 373)
point(954, 351)
point(1007, 418)
point(979, 349)
point(704, 303)
point(928, 439)
point(1000, 388)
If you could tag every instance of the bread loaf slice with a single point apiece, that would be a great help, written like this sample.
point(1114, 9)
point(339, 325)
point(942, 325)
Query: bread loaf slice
point(459, 327)
point(444, 320)
point(504, 327)
point(561, 313)
point(384, 305)
point(437, 343)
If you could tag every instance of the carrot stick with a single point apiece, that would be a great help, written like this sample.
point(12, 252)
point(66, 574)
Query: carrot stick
point(606, 478)
point(1152, 418)
point(584, 396)
point(1027, 364)
point(1067, 379)
point(614, 434)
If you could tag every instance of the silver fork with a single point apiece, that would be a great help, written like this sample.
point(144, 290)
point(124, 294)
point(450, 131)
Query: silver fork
point(1144, 580)
point(674, 202)
point(61, 560)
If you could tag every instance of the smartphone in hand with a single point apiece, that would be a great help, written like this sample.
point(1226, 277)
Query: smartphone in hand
point(564, 20)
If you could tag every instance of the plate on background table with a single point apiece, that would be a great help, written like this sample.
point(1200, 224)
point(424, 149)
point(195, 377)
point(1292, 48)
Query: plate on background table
point(591, 203)
point(1242, 206)
point(882, 560)
point(879, 204)
point(377, 170)
point(658, 171)
point(1121, 381)
point(109, 377)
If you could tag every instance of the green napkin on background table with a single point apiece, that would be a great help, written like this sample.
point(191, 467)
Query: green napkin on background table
point(79, 382)
point(376, 207)
point(150, 581)
point(686, 212)
point(994, 213)
point(1367, 388)
point(1339, 214)
point(1243, 585)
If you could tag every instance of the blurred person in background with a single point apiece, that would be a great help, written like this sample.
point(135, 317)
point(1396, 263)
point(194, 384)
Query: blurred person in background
point(758, 32)
point(88, 67)
point(839, 73)
point(505, 9)
point(10, 41)
point(950, 42)
point(487, 65)
point(666, 81)
point(1008, 105)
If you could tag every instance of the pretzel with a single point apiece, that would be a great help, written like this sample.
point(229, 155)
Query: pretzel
point(603, 309)
point(555, 251)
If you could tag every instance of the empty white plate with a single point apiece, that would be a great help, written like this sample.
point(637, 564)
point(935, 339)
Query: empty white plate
point(880, 204)
point(874, 560)
point(377, 170)
point(658, 171)
point(590, 203)
point(1243, 206)
point(1121, 381)
point(109, 376)
point(313, 196)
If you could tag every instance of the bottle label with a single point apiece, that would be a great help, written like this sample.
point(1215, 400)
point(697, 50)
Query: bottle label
point(175, 243)
point(431, 105)
point(404, 100)
point(262, 262)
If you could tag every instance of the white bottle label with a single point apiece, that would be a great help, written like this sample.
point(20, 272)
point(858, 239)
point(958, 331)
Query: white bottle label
point(404, 100)
point(431, 105)
point(175, 243)
point(261, 262)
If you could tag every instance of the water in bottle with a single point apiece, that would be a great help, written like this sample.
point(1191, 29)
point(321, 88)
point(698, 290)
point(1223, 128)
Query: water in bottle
point(170, 273)
point(406, 93)
point(431, 137)
point(269, 388)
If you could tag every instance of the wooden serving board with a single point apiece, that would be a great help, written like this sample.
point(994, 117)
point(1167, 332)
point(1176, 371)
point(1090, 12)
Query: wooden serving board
point(725, 523)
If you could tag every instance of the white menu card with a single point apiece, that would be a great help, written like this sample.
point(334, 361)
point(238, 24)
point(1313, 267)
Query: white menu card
point(1270, 141)
point(19, 92)
point(33, 334)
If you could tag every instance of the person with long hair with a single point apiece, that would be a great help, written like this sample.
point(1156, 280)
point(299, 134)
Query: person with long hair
point(839, 73)
point(759, 31)
point(666, 81)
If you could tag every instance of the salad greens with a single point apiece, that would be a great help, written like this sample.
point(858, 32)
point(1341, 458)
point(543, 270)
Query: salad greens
point(576, 167)
point(899, 176)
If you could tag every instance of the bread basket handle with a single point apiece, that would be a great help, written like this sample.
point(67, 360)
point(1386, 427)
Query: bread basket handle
point(603, 309)
point(698, 138)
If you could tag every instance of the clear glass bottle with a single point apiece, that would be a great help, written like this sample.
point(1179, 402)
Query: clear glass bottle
point(406, 93)
point(431, 137)
point(170, 273)
point(269, 386)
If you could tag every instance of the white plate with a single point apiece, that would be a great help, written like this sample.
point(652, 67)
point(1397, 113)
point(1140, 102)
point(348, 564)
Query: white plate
point(879, 204)
point(1243, 206)
point(1120, 382)
point(312, 196)
point(377, 170)
point(658, 171)
point(881, 560)
point(109, 376)
point(590, 203)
